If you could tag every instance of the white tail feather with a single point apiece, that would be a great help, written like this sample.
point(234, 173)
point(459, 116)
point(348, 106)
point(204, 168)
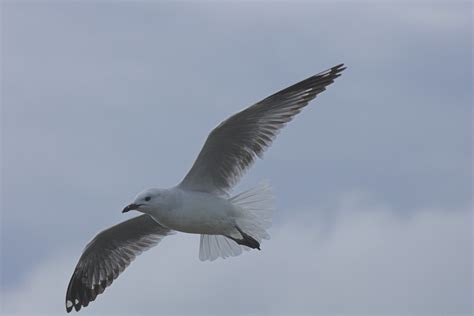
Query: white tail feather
point(255, 216)
point(215, 246)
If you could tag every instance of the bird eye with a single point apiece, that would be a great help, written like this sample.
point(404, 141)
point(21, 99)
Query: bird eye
point(148, 198)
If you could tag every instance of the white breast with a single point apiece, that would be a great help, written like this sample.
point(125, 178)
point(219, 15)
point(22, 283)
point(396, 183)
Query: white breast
point(198, 213)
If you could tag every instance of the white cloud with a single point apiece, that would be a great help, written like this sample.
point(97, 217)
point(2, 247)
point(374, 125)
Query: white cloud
point(361, 259)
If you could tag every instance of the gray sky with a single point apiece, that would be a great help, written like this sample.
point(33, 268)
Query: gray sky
point(101, 100)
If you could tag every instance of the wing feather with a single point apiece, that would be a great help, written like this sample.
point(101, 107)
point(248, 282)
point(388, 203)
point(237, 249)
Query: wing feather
point(231, 148)
point(107, 255)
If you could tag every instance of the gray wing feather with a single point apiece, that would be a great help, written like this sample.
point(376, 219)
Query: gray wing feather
point(231, 148)
point(107, 255)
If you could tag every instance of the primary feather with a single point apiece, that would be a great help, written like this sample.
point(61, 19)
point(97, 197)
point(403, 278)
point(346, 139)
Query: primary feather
point(107, 256)
point(231, 148)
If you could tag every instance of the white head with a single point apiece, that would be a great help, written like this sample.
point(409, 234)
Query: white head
point(147, 201)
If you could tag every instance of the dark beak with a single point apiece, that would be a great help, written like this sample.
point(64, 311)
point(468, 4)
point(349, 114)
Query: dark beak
point(131, 207)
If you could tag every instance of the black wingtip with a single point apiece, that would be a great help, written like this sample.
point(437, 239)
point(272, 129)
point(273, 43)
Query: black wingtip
point(339, 68)
point(326, 76)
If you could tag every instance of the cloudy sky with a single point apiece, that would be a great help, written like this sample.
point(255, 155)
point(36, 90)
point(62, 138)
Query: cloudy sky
point(101, 100)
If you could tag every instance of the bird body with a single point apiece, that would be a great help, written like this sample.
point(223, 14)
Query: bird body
point(201, 203)
point(191, 211)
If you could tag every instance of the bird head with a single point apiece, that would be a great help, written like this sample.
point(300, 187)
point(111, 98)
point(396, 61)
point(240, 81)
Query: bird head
point(145, 201)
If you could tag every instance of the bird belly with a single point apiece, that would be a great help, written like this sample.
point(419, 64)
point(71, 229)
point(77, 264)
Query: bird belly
point(200, 213)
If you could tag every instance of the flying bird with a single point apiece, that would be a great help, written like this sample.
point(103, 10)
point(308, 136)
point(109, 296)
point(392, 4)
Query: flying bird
point(201, 203)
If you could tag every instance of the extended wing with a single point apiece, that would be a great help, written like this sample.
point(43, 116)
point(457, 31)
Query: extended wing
point(107, 255)
point(231, 147)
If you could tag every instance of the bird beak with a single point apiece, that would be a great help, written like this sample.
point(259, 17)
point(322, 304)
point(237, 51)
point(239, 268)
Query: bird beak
point(131, 207)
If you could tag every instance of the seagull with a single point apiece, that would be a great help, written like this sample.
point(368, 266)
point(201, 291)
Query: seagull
point(201, 203)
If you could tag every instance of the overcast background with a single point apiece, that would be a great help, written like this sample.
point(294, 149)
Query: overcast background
point(101, 100)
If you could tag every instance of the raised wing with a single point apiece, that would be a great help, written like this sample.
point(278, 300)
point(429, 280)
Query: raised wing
point(231, 148)
point(107, 255)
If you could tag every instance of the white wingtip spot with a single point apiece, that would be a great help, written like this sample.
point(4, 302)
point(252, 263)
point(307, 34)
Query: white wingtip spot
point(68, 304)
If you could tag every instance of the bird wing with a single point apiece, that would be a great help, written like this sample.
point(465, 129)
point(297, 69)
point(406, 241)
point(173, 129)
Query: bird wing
point(231, 148)
point(108, 254)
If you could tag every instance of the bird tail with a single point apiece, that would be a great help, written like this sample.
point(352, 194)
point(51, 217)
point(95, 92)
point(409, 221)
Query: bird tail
point(255, 209)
